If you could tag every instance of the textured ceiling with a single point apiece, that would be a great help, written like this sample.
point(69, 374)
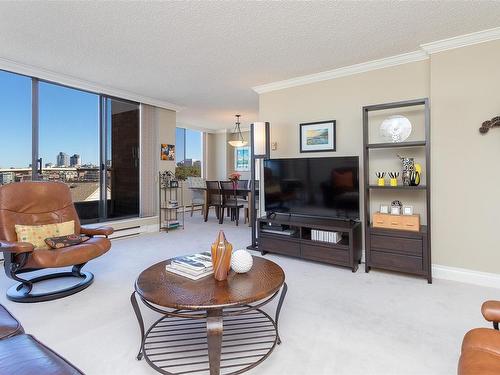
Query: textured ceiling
point(206, 56)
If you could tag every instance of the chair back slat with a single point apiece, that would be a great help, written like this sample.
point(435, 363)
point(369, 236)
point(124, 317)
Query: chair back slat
point(213, 193)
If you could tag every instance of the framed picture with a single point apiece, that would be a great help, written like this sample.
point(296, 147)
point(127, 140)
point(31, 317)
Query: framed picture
point(395, 210)
point(317, 136)
point(242, 159)
point(384, 209)
point(407, 210)
point(167, 152)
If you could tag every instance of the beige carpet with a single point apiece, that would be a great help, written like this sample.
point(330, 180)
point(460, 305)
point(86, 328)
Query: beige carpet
point(332, 322)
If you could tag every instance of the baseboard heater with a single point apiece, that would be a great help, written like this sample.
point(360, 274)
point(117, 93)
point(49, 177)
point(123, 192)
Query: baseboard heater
point(126, 232)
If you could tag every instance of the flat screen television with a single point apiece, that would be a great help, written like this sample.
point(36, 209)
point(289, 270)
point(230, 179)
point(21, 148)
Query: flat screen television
point(323, 187)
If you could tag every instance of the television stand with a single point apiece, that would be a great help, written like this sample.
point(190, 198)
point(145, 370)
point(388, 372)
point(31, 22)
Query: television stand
point(297, 236)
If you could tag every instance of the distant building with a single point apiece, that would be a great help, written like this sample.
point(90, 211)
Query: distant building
point(49, 165)
point(75, 160)
point(7, 177)
point(62, 160)
point(188, 162)
point(197, 163)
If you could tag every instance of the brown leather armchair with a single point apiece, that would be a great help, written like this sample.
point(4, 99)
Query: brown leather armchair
point(481, 346)
point(36, 203)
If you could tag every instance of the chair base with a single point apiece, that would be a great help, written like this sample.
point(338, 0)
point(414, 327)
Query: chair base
point(22, 293)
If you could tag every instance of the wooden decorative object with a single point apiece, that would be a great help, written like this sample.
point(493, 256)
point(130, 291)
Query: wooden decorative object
point(400, 222)
point(487, 125)
point(221, 256)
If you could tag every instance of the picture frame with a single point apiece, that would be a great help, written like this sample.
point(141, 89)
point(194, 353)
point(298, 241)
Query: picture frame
point(384, 209)
point(318, 136)
point(395, 210)
point(408, 210)
point(167, 152)
point(242, 159)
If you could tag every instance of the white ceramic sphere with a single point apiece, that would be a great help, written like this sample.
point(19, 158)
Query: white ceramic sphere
point(241, 261)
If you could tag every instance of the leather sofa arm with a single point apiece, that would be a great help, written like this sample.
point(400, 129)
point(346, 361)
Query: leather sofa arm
point(16, 247)
point(99, 231)
point(491, 311)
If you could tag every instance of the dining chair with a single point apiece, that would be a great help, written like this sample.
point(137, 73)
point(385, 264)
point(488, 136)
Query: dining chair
point(230, 201)
point(242, 190)
point(197, 185)
point(214, 199)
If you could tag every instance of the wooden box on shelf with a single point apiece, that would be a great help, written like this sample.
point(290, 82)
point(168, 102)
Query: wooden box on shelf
point(399, 222)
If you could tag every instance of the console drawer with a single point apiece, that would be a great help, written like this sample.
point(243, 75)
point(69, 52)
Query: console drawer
point(279, 245)
point(396, 262)
point(325, 254)
point(410, 246)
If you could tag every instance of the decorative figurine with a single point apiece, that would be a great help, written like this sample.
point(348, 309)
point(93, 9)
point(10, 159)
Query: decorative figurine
point(414, 178)
point(394, 178)
point(408, 167)
point(221, 256)
point(241, 261)
point(380, 178)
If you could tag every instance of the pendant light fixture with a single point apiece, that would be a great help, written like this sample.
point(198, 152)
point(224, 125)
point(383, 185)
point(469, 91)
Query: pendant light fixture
point(240, 141)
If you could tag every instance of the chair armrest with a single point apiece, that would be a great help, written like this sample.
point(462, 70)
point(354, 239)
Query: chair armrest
point(491, 311)
point(99, 231)
point(16, 247)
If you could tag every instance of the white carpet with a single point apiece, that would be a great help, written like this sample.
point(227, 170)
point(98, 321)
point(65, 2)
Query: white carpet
point(332, 322)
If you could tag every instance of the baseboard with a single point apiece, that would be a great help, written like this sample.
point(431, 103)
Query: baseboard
point(150, 228)
point(463, 275)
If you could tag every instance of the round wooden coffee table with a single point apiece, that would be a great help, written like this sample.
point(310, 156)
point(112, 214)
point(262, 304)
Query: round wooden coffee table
point(209, 326)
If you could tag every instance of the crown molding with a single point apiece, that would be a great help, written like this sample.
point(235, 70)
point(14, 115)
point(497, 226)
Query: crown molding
point(343, 72)
point(67, 80)
point(422, 54)
point(462, 41)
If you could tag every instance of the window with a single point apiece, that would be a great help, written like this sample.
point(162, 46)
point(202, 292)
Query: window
point(188, 153)
point(15, 128)
point(68, 134)
point(86, 140)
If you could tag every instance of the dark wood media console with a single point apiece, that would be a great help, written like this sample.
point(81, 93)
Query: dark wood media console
point(296, 239)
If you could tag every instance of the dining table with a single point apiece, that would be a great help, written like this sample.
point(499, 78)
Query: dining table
point(238, 192)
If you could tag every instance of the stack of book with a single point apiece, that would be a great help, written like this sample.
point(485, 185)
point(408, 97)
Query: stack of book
point(326, 236)
point(193, 266)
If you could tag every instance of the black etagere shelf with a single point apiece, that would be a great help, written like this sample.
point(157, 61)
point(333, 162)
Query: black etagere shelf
point(392, 249)
point(171, 209)
point(399, 187)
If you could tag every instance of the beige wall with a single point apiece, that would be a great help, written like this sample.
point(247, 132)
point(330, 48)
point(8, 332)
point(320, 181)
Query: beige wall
point(341, 100)
point(463, 88)
point(165, 121)
point(466, 165)
point(245, 175)
point(216, 156)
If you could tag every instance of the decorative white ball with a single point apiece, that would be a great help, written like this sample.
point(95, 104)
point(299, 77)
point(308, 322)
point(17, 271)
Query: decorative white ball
point(241, 261)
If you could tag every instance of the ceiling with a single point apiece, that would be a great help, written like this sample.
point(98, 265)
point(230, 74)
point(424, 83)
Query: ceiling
point(206, 56)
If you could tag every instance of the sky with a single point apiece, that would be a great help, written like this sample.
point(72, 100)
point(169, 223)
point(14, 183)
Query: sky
point(68, 122)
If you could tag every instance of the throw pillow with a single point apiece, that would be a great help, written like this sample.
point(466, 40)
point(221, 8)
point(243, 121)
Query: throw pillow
point(65, 241)
point(36, 234)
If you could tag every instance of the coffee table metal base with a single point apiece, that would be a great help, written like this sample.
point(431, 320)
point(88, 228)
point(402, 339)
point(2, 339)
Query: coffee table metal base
point(217, 341)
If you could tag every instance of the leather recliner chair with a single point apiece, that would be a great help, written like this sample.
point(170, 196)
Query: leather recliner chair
point(37, 203)
point(481, 346)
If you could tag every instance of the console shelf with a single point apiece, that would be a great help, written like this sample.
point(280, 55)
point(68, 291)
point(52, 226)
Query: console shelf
point(392, 249)
point(347, 252)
